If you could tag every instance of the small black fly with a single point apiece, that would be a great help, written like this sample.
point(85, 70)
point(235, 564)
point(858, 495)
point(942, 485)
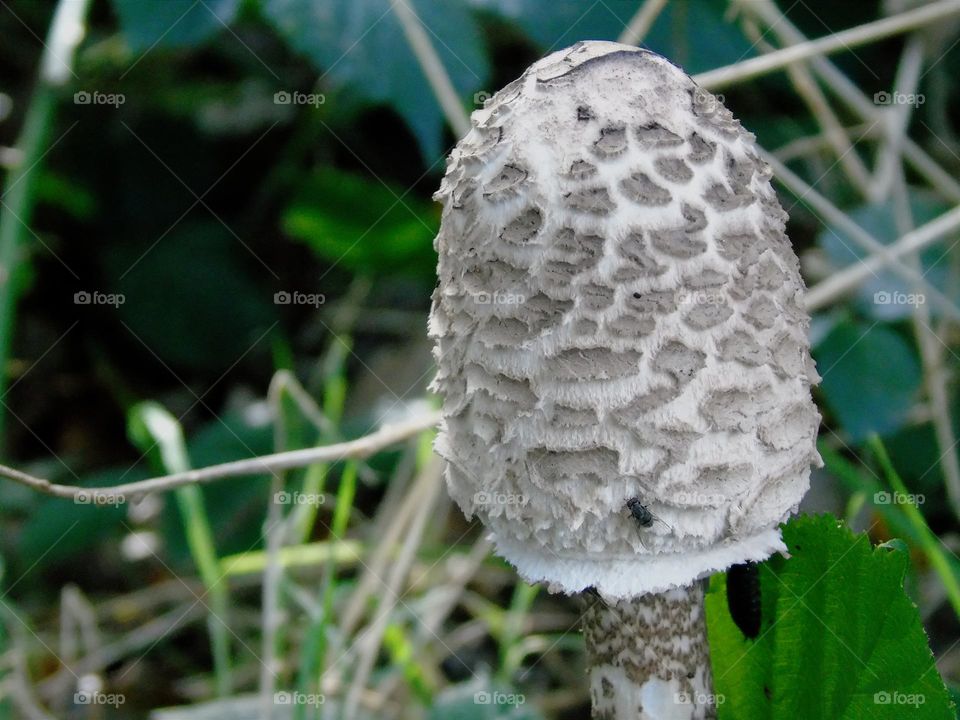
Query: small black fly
point(641, 513)
point(743, 597)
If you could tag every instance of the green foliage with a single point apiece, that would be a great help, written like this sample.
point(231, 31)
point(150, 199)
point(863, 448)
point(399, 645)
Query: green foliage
point(172, 23)
point(359, 45)
point(840, 640)
point(692, 34)
point(362, 225)
point(871, 377)
point(195, 298)
point(59, 530)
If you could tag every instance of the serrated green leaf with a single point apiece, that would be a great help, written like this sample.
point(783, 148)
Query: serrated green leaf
point(172, 23)
point(840, 639)
point(359, 46)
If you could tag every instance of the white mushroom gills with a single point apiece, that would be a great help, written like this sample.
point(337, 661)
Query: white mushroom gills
point(619, 315)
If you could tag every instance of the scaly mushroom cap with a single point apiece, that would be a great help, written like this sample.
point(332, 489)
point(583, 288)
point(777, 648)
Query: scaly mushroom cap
point(619, 315)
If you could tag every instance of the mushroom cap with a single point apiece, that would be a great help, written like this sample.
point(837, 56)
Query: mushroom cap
point(619, 315)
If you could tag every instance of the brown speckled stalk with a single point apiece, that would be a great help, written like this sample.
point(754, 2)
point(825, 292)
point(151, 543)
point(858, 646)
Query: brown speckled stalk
point(649, 658)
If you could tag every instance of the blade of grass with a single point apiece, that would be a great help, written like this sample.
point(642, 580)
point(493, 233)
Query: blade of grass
point(5, 648)
point(343, 552)
point(928, 541)
point(152, 428)
point(511, 654)
point(18, 198)
point(400, 649)
point(315, 643)
point(334, 401)
point(857, 481)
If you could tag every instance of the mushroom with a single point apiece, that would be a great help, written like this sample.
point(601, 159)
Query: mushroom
point(622, 354)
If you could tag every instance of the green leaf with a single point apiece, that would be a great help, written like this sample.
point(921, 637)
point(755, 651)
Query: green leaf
point(195, 297)
point(60, 530)
point(840, 639)
point(172, 23)
point(696, 35)
point(359, 45)
point(886, 295)
point(361, 225)
point(871, 377)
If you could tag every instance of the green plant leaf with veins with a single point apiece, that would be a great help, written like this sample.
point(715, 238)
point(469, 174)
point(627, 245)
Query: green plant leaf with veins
point(840, 639)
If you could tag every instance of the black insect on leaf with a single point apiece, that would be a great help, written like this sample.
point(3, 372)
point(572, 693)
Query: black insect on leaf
point(743, 597)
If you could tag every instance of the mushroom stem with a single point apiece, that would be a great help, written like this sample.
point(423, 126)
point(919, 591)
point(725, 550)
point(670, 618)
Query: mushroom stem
point(649, 658)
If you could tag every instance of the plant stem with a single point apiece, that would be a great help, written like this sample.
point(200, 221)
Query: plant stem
point(17, 200)
point(648, 656)
point(357, 449)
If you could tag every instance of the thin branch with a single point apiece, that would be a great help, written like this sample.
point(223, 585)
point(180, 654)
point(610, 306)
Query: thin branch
point(931, 353)
point(808, 144)
point(847, 279)
point(427, 488)
point(849, 94)
point(354, 449)
point(844, 40)
point(897, 120)
point(882, 254)
point(640, 24)
point(808, 90)
point(432, 67)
